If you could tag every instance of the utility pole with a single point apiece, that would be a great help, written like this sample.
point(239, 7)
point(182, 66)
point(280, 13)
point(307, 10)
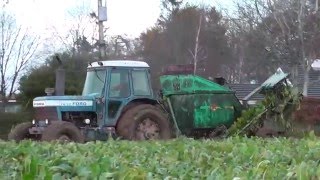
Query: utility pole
point(102, 16)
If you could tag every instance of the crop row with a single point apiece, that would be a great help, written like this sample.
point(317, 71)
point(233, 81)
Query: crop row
point(236, 157)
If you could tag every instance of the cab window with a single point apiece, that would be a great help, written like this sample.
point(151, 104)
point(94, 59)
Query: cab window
point(140, 83)
point(119, 84)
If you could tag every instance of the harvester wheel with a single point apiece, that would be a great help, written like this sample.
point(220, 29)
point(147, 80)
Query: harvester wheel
point(144, 122)
point(218, 132)
point(62, 131)
point(20, 132)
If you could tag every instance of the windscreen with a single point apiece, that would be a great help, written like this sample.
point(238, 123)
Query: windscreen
point(94, 83)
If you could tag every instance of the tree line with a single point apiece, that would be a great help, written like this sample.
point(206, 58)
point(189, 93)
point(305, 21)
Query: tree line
point(243, 45)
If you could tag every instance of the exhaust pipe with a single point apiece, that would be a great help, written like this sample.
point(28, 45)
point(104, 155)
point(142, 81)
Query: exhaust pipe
point(60, 79)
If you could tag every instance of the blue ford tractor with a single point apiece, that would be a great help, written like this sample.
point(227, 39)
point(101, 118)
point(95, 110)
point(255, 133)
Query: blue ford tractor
point(117, 99)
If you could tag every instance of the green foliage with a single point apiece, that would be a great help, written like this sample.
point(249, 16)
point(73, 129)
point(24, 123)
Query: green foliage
point(249, 121)
point(34, 83)
point(278, 105)
point(183, 158)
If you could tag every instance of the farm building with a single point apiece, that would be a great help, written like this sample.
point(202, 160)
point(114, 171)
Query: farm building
point(12, 106)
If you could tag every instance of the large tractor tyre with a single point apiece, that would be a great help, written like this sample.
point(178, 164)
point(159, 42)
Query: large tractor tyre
point(62, 131)
point(144, 122)
point(20, 132)
point(218, 132)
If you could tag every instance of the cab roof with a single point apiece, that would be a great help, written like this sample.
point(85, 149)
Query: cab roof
point(118, 63)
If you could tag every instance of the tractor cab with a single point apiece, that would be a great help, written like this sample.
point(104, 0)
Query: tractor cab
point(115, 84)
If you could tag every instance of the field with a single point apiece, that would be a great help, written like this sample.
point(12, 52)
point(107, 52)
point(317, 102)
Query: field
point(232, 158)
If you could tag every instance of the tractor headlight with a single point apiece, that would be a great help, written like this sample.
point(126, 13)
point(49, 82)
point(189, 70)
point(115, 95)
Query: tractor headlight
point(87, 121)
point(47, 121)
point(33, 122)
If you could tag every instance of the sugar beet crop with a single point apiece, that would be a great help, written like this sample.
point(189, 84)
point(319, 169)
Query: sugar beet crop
point(244, 158)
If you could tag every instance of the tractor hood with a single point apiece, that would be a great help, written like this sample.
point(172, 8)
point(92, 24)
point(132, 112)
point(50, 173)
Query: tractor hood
point(69, 102)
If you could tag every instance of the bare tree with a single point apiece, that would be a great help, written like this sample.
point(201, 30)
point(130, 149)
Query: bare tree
point(120, 47)
point(197, 47)
point(277, 33)
point(306, 62)
point(83, 24)
point(17, 48)
point(287, 27)
point(241, 23)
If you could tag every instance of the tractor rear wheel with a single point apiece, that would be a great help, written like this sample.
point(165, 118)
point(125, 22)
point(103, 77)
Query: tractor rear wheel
point(144, 122)
point(62, 131)
point(21, 132)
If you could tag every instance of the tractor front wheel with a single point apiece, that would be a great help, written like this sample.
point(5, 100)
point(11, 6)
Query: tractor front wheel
point(144, 122)
point(62, 131)
point(21, 132)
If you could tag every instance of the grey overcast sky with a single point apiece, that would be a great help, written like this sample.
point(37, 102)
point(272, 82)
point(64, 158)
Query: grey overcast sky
point(51, 19)
point(124, 16)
